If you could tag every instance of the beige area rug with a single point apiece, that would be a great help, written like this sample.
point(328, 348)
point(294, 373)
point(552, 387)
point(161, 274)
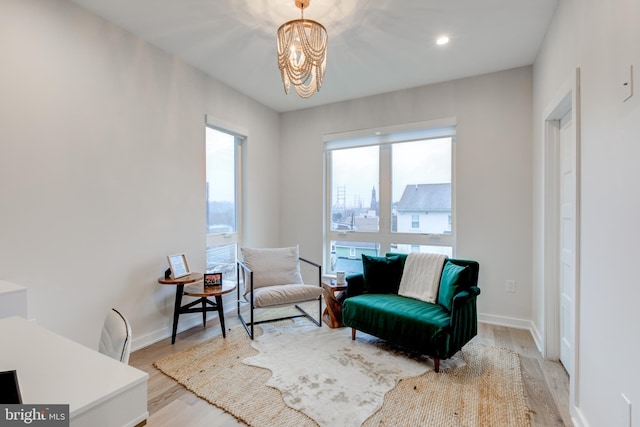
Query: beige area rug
point(334, 380)
point(480, 386)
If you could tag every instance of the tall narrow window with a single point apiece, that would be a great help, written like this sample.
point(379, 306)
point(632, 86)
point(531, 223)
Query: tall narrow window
point(389, 191)
point(222, 171)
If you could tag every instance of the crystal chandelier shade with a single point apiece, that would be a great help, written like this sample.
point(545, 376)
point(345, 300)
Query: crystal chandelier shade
point(302, 54)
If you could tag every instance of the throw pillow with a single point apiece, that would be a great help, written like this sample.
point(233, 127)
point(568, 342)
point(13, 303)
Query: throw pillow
point(453, 276)
point(381, 275)
point(273, 266)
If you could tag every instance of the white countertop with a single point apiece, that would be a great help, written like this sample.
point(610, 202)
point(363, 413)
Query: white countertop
point(52, 369)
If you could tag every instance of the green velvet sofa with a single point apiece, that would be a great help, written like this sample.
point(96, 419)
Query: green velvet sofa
point(439, 330)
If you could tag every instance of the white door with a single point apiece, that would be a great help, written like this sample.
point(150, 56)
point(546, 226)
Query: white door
point(567, 239)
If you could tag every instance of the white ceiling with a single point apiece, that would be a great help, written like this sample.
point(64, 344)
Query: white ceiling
point(375, 46)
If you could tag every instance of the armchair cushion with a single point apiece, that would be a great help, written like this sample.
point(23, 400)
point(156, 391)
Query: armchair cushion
point(452, 278)
point(285, 294)
point(381, 275)
point(273, 266)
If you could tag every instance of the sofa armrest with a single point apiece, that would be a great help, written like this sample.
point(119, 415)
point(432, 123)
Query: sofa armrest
point(463, 297)
point(464, 318)
point(355, 284)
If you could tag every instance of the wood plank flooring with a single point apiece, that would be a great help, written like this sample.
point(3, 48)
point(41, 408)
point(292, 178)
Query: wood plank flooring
point(546, 383)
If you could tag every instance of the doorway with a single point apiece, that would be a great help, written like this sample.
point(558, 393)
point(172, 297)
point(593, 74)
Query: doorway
point(562, 231)
point(567, 232)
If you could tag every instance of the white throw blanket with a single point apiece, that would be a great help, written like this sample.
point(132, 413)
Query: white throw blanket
point(421, 276)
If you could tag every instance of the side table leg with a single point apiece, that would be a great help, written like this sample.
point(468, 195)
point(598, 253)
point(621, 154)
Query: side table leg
point(333, 309)
point(204, 312)
point(221, 314)
point(176, 311)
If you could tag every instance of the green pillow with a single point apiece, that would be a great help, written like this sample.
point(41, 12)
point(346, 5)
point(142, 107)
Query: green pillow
point(381, 275)
point(453, 276)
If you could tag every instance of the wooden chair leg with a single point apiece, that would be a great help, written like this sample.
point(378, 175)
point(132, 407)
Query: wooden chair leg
point(353, 334)
point(436, 362)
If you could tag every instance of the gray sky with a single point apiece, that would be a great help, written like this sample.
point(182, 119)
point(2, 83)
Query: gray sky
point(357, 169)
point(220, 165)
point(418, 162)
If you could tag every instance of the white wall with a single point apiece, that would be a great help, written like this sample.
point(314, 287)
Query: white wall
point(102, 168)
point(601, 38)
point(493, 174)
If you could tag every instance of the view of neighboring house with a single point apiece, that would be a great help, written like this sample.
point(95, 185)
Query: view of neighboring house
point(424, 208)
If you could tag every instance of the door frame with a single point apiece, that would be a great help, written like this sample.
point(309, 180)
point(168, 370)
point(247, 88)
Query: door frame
point(568, 98)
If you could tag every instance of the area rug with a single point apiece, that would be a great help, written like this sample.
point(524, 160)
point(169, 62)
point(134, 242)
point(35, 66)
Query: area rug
point(481, 386)
point(326, 375)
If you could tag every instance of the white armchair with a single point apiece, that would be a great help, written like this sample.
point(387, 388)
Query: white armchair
point(272, 278)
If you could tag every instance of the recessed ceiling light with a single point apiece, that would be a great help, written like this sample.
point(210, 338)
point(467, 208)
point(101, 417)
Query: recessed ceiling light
point(442, 40)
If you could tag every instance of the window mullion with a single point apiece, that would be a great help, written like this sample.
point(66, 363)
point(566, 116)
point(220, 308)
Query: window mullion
point(385, 238)
point(385, 191)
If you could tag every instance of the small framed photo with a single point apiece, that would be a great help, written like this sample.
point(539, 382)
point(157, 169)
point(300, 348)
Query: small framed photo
point(178, 265)
point(212, 279)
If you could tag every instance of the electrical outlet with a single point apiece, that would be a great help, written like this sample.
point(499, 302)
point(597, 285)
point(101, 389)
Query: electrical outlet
point(511, 286)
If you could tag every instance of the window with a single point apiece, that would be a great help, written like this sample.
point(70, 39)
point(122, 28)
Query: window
point(389, 190)
point(347, 255)
point(222, 199)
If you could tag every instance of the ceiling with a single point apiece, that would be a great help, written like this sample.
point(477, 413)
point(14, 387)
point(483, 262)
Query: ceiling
point(375, 46)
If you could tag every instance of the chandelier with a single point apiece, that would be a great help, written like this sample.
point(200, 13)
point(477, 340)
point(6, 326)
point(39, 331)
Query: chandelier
point(302, 53)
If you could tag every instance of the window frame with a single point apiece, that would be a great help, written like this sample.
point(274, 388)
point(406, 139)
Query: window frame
point(384, 138)
point(240, 140)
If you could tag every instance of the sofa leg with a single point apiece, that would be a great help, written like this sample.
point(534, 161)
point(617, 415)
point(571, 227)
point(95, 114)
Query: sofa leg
point(353, 334)
point(436, 363)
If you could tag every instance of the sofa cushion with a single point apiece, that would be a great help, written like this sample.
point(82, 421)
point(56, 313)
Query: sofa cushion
point(453, 276)
point(381, 275)
point(404, 321)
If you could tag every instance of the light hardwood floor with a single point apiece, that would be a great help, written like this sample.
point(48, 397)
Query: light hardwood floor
point(546, 384)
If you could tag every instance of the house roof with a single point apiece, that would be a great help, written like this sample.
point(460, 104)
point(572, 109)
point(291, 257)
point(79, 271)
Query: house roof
point(425, 198)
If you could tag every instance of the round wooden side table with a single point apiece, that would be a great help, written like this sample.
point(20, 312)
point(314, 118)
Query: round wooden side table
point(195, 288)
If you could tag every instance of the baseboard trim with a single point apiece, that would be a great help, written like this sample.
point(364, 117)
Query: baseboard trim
point(188, 323)
point(510, 322)
point(537, 338)
point(184, 324)
point(513, 322)
point(577, 417)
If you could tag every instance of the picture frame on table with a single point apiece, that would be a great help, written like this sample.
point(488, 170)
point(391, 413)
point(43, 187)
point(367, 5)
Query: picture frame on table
point(212, 279)
point(178, 265)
